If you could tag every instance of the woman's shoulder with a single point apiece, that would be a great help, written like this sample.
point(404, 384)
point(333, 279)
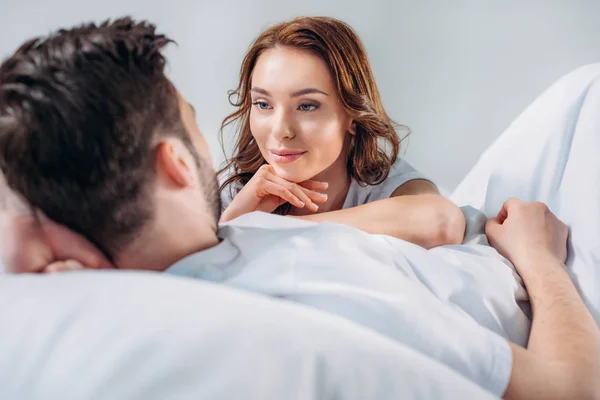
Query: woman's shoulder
point(400, 167)
point(400, 173)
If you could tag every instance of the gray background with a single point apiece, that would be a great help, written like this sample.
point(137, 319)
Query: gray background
point(456, 72)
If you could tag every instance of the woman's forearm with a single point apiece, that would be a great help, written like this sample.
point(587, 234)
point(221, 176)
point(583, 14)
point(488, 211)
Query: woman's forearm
point(428, 220)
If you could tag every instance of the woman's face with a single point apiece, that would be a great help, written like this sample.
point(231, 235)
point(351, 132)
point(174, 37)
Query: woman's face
point(296, 117)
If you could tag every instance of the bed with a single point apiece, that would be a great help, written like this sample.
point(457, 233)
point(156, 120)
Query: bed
point(106, 335)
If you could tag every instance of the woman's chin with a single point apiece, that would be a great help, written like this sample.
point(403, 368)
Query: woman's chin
point(291, 174)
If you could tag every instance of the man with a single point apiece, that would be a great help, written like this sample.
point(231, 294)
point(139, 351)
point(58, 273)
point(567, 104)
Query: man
point(95, 136)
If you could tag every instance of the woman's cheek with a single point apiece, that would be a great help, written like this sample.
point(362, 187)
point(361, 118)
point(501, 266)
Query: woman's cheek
point(311, 131)
point(259, 129)
point(328, 135)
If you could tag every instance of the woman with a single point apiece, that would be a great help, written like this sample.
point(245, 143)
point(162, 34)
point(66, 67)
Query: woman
point(315, 142)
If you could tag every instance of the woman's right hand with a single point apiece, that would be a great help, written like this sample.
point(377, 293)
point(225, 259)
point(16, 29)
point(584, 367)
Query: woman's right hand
point(266, 191)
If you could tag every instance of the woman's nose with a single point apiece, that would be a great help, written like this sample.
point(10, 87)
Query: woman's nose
point(283, 127)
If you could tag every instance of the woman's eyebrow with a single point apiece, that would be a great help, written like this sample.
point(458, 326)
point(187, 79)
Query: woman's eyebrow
point(261, 91)
point(297, 93)
point(302, 92)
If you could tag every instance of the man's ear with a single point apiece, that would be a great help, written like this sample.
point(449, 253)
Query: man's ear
point(171, 157)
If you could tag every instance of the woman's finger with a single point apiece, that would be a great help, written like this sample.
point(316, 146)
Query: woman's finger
point(284, 193)
point(296, 190)
point(314, 185)
point(313, 190)
point(314, 195)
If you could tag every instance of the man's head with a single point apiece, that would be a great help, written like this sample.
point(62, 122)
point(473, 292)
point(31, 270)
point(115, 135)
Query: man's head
point(93, 134)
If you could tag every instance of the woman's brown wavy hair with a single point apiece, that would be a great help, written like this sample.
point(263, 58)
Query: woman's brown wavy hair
point(374, 147)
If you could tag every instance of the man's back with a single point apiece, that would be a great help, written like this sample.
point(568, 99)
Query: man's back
point(432, 302)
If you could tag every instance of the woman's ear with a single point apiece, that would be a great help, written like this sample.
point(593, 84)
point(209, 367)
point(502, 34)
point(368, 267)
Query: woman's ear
point(170, 159)
point(352, 128)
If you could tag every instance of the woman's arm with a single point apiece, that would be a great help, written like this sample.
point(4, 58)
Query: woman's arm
point(415, 212)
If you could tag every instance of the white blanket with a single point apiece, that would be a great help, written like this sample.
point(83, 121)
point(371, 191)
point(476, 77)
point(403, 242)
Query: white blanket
point(551, 154)
point(118, 335)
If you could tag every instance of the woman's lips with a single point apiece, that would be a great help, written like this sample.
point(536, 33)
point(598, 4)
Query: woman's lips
point(286, 156)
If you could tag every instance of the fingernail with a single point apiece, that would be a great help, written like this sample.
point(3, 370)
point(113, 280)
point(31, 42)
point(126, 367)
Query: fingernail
point(316, 207)
point(322, 195)
point(72, 264)
point(302, 204)
point(325, 184)
point(51, 269)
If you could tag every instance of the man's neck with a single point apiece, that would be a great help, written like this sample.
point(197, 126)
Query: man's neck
point(175, 233)
point(162, 252)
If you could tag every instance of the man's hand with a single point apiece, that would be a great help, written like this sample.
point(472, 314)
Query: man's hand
point(525, 232)
point(31, 246)
point(562, 358)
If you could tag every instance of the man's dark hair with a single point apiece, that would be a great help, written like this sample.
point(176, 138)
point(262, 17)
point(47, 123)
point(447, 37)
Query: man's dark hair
point(80, 112)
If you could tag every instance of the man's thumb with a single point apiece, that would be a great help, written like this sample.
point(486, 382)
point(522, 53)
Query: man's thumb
point(493, 230)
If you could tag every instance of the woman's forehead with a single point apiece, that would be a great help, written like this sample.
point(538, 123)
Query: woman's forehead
point(288, 70)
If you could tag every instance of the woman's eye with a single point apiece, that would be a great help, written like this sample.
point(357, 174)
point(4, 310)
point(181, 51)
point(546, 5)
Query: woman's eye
point(261, 104)
point(308, 107)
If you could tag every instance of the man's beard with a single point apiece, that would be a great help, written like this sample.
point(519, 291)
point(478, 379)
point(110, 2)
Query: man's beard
point(210, 188)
